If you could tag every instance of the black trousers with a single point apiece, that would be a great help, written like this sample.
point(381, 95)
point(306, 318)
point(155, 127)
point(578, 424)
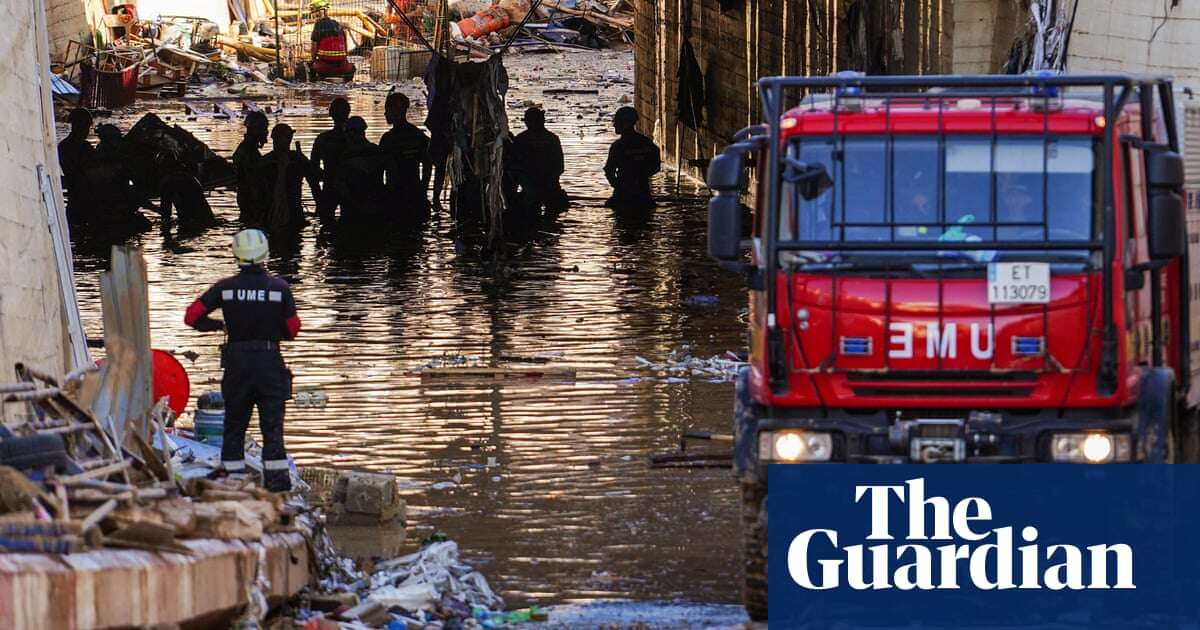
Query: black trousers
point(256, 377)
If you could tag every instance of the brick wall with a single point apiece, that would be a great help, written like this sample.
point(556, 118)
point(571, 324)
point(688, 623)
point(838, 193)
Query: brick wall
point(757, 38)
point(31, 322)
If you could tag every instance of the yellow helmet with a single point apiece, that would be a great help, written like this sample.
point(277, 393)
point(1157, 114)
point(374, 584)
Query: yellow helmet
point(318, 5)
point(250, 247)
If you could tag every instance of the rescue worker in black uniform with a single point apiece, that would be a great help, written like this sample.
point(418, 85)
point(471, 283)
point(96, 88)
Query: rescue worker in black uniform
point(537, 162)
point(281, 173)
point(327, 152)
point(245, 166)
point(75, 154)
point(632, 160)
point(408, 148)
point(260, 312)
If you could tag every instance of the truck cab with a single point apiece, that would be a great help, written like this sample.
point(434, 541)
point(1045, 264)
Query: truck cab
point(956, 270)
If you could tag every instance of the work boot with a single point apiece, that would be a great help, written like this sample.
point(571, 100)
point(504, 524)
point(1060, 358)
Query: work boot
point(277, 480)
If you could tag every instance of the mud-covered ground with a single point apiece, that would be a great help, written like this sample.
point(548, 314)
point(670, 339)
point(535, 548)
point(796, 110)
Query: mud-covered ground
point(545, 484)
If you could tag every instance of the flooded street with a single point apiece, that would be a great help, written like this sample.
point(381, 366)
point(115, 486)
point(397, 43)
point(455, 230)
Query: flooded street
point(571, 510)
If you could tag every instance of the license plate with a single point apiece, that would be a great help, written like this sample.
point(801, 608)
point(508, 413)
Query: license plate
point(1018, 283)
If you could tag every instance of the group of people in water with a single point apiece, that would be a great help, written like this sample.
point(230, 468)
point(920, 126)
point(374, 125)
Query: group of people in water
point(105, 194)
point(352, 179)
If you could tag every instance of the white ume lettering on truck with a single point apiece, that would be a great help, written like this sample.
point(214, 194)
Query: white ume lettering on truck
point(988, 559)
point(940, 341)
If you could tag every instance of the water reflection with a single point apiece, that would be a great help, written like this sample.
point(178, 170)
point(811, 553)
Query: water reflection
point(570, 509)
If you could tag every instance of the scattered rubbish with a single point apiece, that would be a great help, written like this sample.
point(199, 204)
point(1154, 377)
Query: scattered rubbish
point(680, 362)
point(310, 398)
point(701, 301)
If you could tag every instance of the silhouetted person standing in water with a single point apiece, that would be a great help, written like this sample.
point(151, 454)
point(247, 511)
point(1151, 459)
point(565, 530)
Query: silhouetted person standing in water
point(408, 148)
point(360, 175)
point(245, 165)
point(537, 162)
point(281, 173)
point(183, 194)
point(114, 198)
point(632, 160)
point(75, 154)
point(327, 157)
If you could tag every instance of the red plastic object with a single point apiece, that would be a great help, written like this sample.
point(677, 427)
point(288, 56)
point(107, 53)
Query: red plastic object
point(171, 380)
point(118, 88)
point(484, 22)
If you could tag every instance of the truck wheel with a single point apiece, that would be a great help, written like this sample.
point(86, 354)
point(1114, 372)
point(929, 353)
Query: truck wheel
point(754, 533)
point(1158, 417)
point(1187, 436)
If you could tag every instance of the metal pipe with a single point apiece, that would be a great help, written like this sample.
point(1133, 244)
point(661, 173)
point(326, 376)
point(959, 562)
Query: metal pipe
point(771, 94)
point(278, 60)
point(1146, 104)
point(1184, 334)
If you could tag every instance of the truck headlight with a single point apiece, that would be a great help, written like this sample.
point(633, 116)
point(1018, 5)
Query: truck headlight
point(1096, 447)
point(794, 446)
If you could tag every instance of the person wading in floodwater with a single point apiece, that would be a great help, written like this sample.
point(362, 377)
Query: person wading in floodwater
point(408, 148)
point(327, 155)
point(259, 313)
point(632, 160)
point(537, 163)
point(245, 166)
point(75, 153)
point(360, 176)
point(183, 194)
point(280, 174)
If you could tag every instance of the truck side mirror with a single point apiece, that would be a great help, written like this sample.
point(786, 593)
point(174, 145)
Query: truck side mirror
point(725, 227)
point(727, 172)
point(1166, 225)
point(726, 177)
point(1164, 169)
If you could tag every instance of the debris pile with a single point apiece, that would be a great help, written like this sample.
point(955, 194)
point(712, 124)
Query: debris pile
point(66, 485)
point(431, 588)
point(522, 24)
point(679, 363)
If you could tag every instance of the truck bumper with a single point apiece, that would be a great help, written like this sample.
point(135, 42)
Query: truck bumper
point(966, 437)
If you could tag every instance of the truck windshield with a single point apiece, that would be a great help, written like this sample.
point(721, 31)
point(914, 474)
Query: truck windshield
point(956, 188)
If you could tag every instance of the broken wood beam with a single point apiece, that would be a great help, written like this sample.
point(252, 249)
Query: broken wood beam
point(98, 515)
point(30, 371)
point(95, 473)
point(35, 395)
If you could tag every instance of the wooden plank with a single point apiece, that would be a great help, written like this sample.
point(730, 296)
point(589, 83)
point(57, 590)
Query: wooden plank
point(124, 402)
point(499, 372)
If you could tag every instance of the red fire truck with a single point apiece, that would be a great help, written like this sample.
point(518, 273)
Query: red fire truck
point(958, 269)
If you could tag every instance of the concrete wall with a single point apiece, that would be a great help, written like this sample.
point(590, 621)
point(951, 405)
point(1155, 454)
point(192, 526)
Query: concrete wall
point(70, 20)
point(754, 39)
point(31, 305)
point(1137, 36)
point(1134, 36)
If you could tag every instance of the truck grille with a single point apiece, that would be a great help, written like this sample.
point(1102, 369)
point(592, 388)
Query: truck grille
point(940, 376)
point(936, 392)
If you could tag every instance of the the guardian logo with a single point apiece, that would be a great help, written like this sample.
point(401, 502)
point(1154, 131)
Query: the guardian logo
point(971, 553)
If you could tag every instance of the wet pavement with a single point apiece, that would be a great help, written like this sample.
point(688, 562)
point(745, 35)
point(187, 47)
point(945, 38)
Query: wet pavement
point(570, 511)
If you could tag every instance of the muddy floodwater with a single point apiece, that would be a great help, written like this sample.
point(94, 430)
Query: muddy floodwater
point(571, 510)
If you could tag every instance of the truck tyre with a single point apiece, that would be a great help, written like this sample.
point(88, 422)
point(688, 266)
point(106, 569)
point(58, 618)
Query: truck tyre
point(34, 452)
point(1157, 417)
point(754, 534)
point(1187, 436)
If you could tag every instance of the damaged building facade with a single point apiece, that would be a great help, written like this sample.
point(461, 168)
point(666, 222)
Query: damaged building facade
point(717, 48)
